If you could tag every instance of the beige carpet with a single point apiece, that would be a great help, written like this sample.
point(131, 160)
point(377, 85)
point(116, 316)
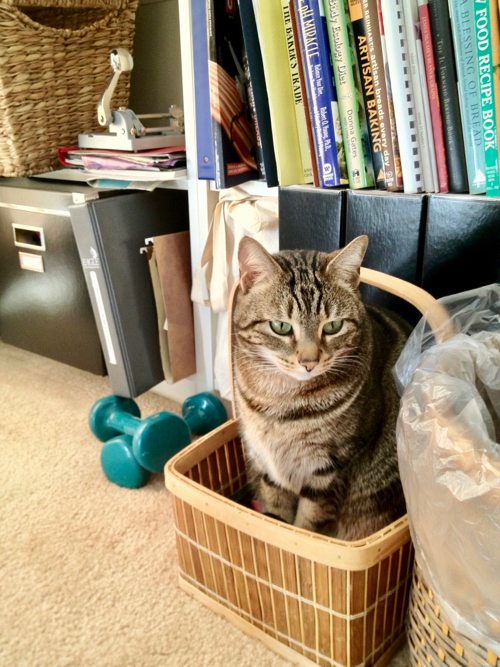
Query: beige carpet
point(88, 570)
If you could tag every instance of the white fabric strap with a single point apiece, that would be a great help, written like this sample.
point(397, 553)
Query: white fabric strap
point(237, 214)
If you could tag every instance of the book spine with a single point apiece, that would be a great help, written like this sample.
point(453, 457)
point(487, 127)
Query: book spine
point(259, 154)
point(269, 21)
point(368, 90)
point(448, 95)
point(320, 87)
point(374, 40)
point(264, 131)
point(485, 66)
point(495, 54)
point(427, 108)
point(337, 129)
point(411, 18)
point(215, 105)
point(462, 28)
point(390, 100)
point(363, 122)
point(435, 110)
point(336, 21)
point(402, 90)
point(297, 93)
point(232, 130)
point(204, 148)
point(303, 86)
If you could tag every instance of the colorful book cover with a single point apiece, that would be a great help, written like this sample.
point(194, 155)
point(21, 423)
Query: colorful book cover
point(374, 41)
point(233, 133)
point(264, 133)
point(368, 91)
point(448, 94)
point(321, 90)
point(204, 147)
point(462, 28)
point(390, 100)
point(300, 111)
point(367, 151)
point(268, 17)
point(303, 86)
point(495, 54)
point(432, 87)
point(402, 89)
point(336, 20)
point(485, 66)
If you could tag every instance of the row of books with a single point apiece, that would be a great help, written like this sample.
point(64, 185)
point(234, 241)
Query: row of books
point(401, 95)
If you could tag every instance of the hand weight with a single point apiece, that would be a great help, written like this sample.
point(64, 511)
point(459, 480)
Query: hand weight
point(156, 439)
point(120, 465)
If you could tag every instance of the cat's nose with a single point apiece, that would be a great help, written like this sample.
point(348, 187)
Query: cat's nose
point(309, 364)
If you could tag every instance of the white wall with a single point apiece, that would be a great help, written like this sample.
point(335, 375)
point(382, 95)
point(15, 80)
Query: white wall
point(156, 80)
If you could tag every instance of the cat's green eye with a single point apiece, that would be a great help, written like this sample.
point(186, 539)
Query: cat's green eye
point(281, 328)
point(333, 327)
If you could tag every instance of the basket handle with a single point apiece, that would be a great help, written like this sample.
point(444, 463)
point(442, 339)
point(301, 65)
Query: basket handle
point(437, 316)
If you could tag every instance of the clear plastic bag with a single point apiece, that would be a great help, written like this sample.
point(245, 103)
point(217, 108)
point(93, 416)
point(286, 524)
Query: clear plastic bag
point(448, 433)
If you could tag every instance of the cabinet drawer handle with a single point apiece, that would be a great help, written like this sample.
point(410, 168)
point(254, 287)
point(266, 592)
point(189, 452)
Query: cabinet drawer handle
point(26, 236)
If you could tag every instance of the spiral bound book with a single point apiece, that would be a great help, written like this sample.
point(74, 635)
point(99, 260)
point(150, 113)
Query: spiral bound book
point(402, 90)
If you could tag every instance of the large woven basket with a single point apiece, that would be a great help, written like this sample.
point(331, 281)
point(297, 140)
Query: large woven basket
point(54, 67)
point(313, 599)
point(432, 638)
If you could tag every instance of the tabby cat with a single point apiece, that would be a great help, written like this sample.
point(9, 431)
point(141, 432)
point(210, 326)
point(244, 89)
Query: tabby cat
point(314, 393)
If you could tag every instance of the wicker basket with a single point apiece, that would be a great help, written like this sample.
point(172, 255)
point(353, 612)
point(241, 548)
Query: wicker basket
point(313, 599)
point(432, 639)
point(54, 67)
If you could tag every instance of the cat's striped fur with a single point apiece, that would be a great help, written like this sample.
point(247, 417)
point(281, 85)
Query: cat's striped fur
point(317, 410)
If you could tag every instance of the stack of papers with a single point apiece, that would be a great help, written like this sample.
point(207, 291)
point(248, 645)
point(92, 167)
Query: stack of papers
point(156, 160)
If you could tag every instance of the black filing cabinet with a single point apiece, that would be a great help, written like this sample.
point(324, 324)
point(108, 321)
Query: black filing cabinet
point(44, 303)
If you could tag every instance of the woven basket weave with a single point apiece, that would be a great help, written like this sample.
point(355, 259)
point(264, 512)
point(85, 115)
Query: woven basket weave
point(54, 67)
point(432, 639)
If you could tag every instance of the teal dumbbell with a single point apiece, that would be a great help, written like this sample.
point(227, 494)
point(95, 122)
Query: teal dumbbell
point(151, 442)
point(203, 413)
point(120, 465)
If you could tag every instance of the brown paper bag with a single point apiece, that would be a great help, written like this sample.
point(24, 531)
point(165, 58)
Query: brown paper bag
point(170, 268)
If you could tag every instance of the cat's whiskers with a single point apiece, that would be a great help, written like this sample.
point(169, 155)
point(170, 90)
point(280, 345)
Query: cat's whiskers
point(256, 360)
point(347, 365)
point(258, 364)
point(352, 359)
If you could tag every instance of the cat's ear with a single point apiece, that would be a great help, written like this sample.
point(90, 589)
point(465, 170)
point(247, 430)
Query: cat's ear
point(347, 261)
point(256, 264)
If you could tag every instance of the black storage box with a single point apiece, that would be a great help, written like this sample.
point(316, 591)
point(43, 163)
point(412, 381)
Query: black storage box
point(44, 303)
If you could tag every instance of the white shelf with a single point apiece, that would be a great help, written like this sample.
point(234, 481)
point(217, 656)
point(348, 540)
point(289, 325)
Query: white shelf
point(258, 188)
point(177, 182)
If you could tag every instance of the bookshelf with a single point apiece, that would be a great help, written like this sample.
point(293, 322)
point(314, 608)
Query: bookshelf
point(202, 195)
point(164, 74)
point(455, 238)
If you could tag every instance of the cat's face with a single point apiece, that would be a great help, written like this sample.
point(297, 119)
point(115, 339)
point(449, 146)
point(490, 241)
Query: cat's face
point(299, 313)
